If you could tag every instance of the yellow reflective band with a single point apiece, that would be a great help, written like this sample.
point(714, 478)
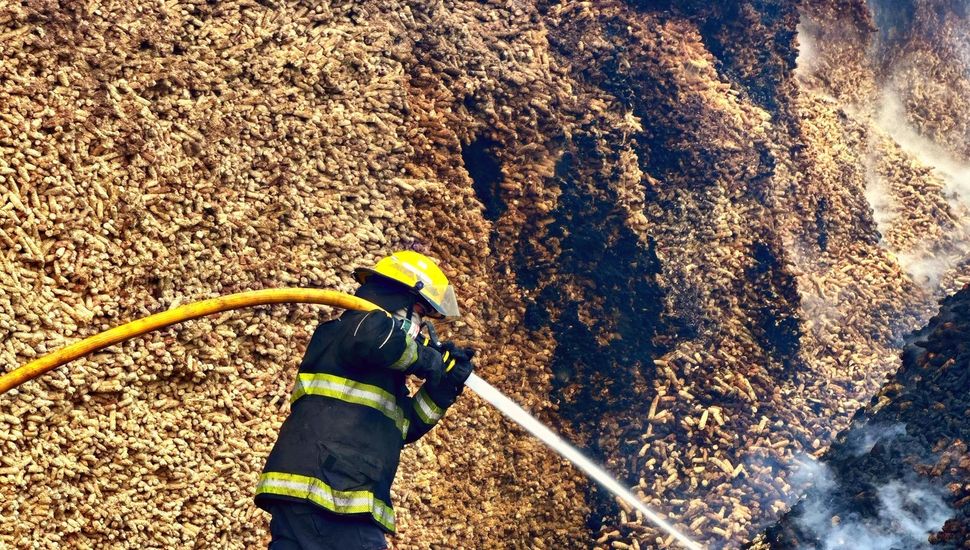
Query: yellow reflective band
point(408, 356)
point(428, 411)
point(318, 492)
point(351, 391)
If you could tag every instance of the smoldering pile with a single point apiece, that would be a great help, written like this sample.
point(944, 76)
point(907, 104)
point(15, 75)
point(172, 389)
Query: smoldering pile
point(742, 381)
point(243, 144)
point(900, 476)
point(780, 305)
point(897, 74)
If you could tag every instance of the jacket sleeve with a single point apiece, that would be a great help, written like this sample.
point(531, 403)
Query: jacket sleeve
point(425, 408)
point(377, 340)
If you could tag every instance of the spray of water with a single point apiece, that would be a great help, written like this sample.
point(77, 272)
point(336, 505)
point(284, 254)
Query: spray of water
point(508, 407)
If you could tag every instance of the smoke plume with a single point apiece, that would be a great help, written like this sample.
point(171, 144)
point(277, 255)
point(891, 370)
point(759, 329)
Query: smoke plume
point(892, 119)
point(929, 262)
point(874, 434)
point(907, 513)
point(808, 56)
point(880, 198)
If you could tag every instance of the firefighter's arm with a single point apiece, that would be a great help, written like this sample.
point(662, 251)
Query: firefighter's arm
point(429, 404)
point(377, 340)
point(424, 411)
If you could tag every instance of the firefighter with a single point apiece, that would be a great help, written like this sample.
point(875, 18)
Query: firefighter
point(327, 481)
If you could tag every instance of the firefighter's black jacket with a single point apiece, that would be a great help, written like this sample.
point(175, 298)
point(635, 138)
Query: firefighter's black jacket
point(351, 415)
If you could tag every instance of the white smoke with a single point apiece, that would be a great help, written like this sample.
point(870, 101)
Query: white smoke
point(874, 434)
point(929, 262)
point(807, 61)
point(908, 513)
point(927, 266)
point(891, 118)
point(809, 473)
point(880, 198)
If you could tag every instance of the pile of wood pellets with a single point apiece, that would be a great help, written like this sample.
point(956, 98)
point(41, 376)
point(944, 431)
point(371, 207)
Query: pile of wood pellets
point(157, 153)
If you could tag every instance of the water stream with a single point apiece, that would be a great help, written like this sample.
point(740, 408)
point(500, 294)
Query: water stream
point(522, 417)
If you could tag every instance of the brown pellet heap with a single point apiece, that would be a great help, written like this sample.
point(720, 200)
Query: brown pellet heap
point(675, 242)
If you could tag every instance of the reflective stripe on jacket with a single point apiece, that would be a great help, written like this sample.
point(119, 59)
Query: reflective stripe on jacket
point(350, 417)
point(321, 494)
point(351, 391)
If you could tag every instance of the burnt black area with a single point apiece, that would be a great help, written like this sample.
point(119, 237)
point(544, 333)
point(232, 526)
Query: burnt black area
point(893, 20)
point(922, 412)
point(760, 185)
point(772, 295)
point(673, 123)
point(727, 30)
point(667, 145)
point(486, 173)
point(593, 282)
point(666, 148)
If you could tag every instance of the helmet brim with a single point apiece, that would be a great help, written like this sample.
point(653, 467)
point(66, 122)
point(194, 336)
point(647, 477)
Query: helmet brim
point(447, 309)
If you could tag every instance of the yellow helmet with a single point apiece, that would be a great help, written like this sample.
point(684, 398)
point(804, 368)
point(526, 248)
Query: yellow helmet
point(420, 274)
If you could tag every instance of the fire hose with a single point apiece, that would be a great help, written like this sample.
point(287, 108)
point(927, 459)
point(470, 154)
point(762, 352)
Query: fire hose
point(202, 308)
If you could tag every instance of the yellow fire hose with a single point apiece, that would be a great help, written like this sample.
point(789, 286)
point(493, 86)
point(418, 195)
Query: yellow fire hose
point(195, 310)
point(187, 312)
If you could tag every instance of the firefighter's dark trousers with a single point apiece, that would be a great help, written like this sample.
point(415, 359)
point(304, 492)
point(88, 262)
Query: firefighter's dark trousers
point(306, 527)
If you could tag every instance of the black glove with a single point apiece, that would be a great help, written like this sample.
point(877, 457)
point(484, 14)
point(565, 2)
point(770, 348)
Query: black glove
point(458, 368)
point(431, 365)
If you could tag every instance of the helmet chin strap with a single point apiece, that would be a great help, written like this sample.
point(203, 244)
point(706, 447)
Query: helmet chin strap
point(407, 314)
